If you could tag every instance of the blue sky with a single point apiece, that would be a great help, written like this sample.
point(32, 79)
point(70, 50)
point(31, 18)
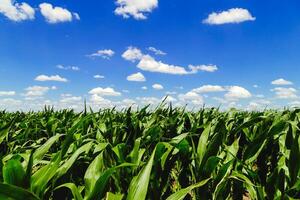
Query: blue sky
point(233, 53)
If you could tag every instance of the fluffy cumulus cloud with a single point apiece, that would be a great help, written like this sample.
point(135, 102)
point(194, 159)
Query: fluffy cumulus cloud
point(231, 93)
point(16, 11)
point(135, 8)
point(157, 86)
point(258, 104)
point(104, 92)
point(132, 54)
point(209, 88)
point(10, 104)
point(148, 63)
point(7, 93)
point(57, 14)
point(192, 97)
point(104, 53)
point(51, 78)
point(237, 92)
point(138, 77)
point(148, 100)
point(281, 81)
point(285, 93)
point(35, 91)
point(98, 96)
point(156, 51)
point(233, 15)
point(169, 98)
point(69, 99)
point(100, 101)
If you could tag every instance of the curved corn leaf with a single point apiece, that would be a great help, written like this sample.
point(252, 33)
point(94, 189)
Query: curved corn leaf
point(8, 191)
point(202, 144)
point(42, 150)
point(27, 178)
point(13, 173)
point(98, 190)
point(249, 185)
point(43, 176)
point(68, 164)
point(139, 185)
point(111, 196)
point(93, 173)
point(4, 130)
point(73, 188)
point(183, 192)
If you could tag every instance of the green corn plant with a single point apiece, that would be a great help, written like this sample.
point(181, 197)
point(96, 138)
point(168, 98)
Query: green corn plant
point(162, 153)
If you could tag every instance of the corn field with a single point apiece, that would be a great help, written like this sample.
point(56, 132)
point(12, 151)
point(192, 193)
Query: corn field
point(166, 153)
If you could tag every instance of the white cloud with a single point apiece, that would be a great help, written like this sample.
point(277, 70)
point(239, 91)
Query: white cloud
point(233, 15)
point(206, 68)
point(10, 103)
point(104, 53)
point(7, 93)
point(193, 97)
point(56, 14)
point(254, 106)
point(209, 88)
point(169, 98)
point(171, 92)
point(148, 100)
point(255, 86)
point(135, 8)
point(61, 67)
point(259, 104)
point(100, 101)
point(157, 51)
point(76, 15)
point(220, 100)
point(285, 93)
point(74, 68)
point(66, 95)
point(139, 77)
point(97, 76)
point(157, 86)
point(16, 11)
point(104, 92)
point(148, 63)
point(144, 88)
point(50, 78)
point(237, 92)
point(35, 91)
point(128, 102)
point(53, 88)
point(132, 54)
point(263, 101)
point(295, 103)
point(70, 99)
point(281, 81)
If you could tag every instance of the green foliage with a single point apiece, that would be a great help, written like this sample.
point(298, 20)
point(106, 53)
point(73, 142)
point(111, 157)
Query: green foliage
point(166, 153)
